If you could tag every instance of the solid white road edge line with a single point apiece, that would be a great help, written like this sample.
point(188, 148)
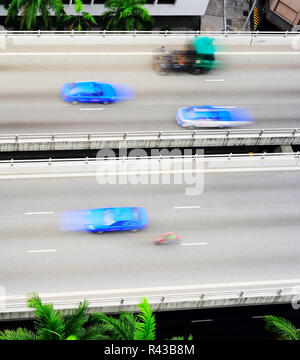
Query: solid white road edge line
point(86, 174)
point(142, 53)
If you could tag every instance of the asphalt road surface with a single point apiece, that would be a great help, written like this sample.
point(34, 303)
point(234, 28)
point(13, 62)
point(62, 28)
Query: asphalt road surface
point(266, 83)
point(243, 227)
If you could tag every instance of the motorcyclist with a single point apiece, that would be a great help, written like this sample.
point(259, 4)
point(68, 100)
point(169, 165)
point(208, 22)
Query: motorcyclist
point(168, 238)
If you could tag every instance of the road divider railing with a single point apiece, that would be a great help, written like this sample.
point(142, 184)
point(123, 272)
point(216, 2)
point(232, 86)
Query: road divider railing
point(15, 307)
point(149, 139)
point(164, 33)
point(147, 166)
point(27, 41)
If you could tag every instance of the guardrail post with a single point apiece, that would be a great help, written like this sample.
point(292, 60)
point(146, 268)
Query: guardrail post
point(264, 155)
point(279, 292)
point(166, 33)
point(12, 162)
point(17, 138)
point(286, 33)
point(229, 156)
point(134, 34)
point(87, 160)
point(39, 33)
point(103, 33)
point(259, 136)
point(124, 136)
point(49, 162)
point(241, 293)
point(162, 299)
point(122, 301)
point(202, 296)
point(89, 137)
point(52, 137)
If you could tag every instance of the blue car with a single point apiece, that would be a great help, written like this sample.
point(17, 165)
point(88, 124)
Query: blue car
point(213, 117)
point(106, 219)
point(88, 92)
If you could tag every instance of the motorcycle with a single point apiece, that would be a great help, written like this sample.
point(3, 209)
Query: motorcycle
point(168, 239)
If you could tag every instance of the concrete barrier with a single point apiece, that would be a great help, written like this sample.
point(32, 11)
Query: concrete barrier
point(148, 166)
point(149, 139)
point(166, 299)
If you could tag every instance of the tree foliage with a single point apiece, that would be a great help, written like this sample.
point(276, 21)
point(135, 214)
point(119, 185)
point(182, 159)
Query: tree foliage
point(145, 328)
point(50, 324)
point(34, 13)
point(283, 328)
point(82, 21)
point(126, 15)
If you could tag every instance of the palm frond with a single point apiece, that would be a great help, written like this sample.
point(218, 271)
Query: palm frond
point(74, 323)
point(19, 334)
point(94, 332)
point(127, 15)
point(49, 322)
point(282, 327)
point(145, 328)
point(78, 6)
point(118, 329)
point(190, 337)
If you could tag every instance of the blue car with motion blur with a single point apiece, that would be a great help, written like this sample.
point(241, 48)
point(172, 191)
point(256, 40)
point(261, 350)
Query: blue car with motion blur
point(94, 92)
point(194, 117)
point(106, 219)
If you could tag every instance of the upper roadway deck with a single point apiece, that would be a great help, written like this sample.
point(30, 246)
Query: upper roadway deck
point(259, 73)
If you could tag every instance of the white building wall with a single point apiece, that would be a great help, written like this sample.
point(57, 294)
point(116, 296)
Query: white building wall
point(180, 8)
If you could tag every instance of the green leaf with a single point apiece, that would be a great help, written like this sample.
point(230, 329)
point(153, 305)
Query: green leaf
point(281, 327)
point(145, 328)
point(49, 322)
point(19, 334)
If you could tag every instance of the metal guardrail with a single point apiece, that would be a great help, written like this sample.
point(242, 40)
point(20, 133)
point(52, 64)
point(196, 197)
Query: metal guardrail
point(242, 293)
point(188, 134)
point(87, 160)
point(146, 33)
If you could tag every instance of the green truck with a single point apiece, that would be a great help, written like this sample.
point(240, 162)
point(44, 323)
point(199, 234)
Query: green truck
point(197, 59)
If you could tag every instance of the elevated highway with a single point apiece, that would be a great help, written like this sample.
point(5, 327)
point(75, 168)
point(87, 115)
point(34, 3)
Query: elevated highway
point(239, 241)
point(260, 73)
